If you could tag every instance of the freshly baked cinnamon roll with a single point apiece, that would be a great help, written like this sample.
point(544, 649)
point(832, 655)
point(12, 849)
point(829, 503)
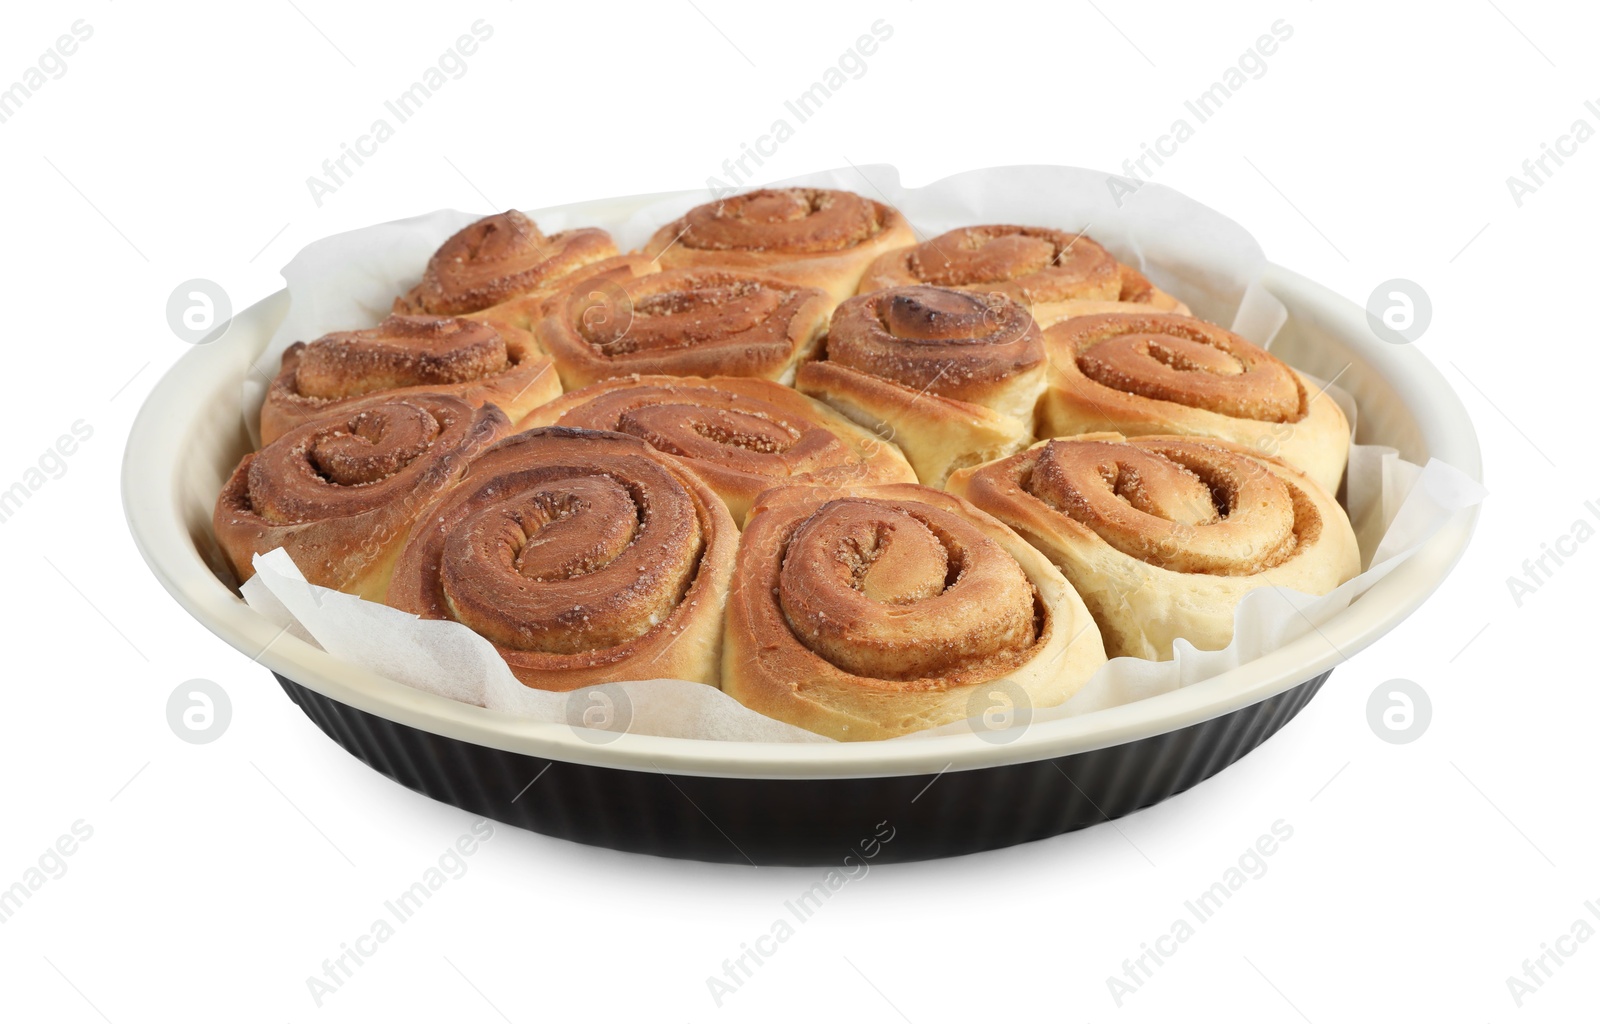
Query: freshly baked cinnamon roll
point(1166, 374)
point(870, 612)
point(818, 237)
point(1163, 536)
point(740, 435)
point(408, 355)
point(524, 312)
point(950, 376)
point(340, 492)
point(583, 556)
point(697, 321)
point(1057, 274)
point(498, 258)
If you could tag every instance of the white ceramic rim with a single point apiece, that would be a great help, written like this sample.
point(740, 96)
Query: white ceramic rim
point(151, 497)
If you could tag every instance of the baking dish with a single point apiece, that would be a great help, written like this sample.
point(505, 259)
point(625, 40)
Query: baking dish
point(772, 803)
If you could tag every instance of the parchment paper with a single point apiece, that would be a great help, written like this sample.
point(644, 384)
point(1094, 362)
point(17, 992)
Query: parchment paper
point(1206, 260)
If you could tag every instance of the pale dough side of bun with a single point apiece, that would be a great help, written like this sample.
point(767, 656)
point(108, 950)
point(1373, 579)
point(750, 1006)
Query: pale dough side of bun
point(837, 273)
point(782, 679)
point(1142, 608)
point(937, 434)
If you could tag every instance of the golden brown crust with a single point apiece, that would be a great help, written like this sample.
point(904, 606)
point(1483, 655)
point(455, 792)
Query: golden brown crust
point(870, 612)
point(697, 321)
point(1164, 535)
point(1136, 288)
point(524, 312)
point(955, 344)
point(1056, 274)
point(339, 493)
point(741, 435)
point(1025, 263)
point(950, 376)
point(498, 258)
point(822, 238)
point(583, 556)
point(475, 361)
point(938, 435)
point(1142, 374)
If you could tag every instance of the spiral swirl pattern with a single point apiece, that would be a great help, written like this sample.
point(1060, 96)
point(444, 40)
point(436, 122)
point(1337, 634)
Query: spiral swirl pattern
point(937, 340)
point(404, 351)
point(1163, 536)
point(904, 590)
point(498, 258)
point(1183, 505)
point(448, 355)
point(689, 322)
point(1185, 361)
point(583, 556)
point(1157, 373)
point(820, 238)
point(740, 435)
point(787, 220)
point(1026, 263)
point(874, 611)
point(340, 492)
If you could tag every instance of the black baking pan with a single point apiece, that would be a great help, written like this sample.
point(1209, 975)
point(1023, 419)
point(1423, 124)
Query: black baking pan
point(791, 803)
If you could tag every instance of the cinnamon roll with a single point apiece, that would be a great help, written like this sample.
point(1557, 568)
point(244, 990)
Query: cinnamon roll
point(950, 376)
point(740, 435)
point(1163, 536)
point(499, 258)
point(696, 321)
point(584, 556)
point(340, 492)
point(524, 312)
point(1166, 374)
point(871, 612)
point(822, 238)
point(476, 361)
point(1057, 274)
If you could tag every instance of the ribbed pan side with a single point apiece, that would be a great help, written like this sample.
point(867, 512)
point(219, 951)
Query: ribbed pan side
point(779, 821)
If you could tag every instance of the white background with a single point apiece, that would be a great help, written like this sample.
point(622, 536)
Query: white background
point(218, 877)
